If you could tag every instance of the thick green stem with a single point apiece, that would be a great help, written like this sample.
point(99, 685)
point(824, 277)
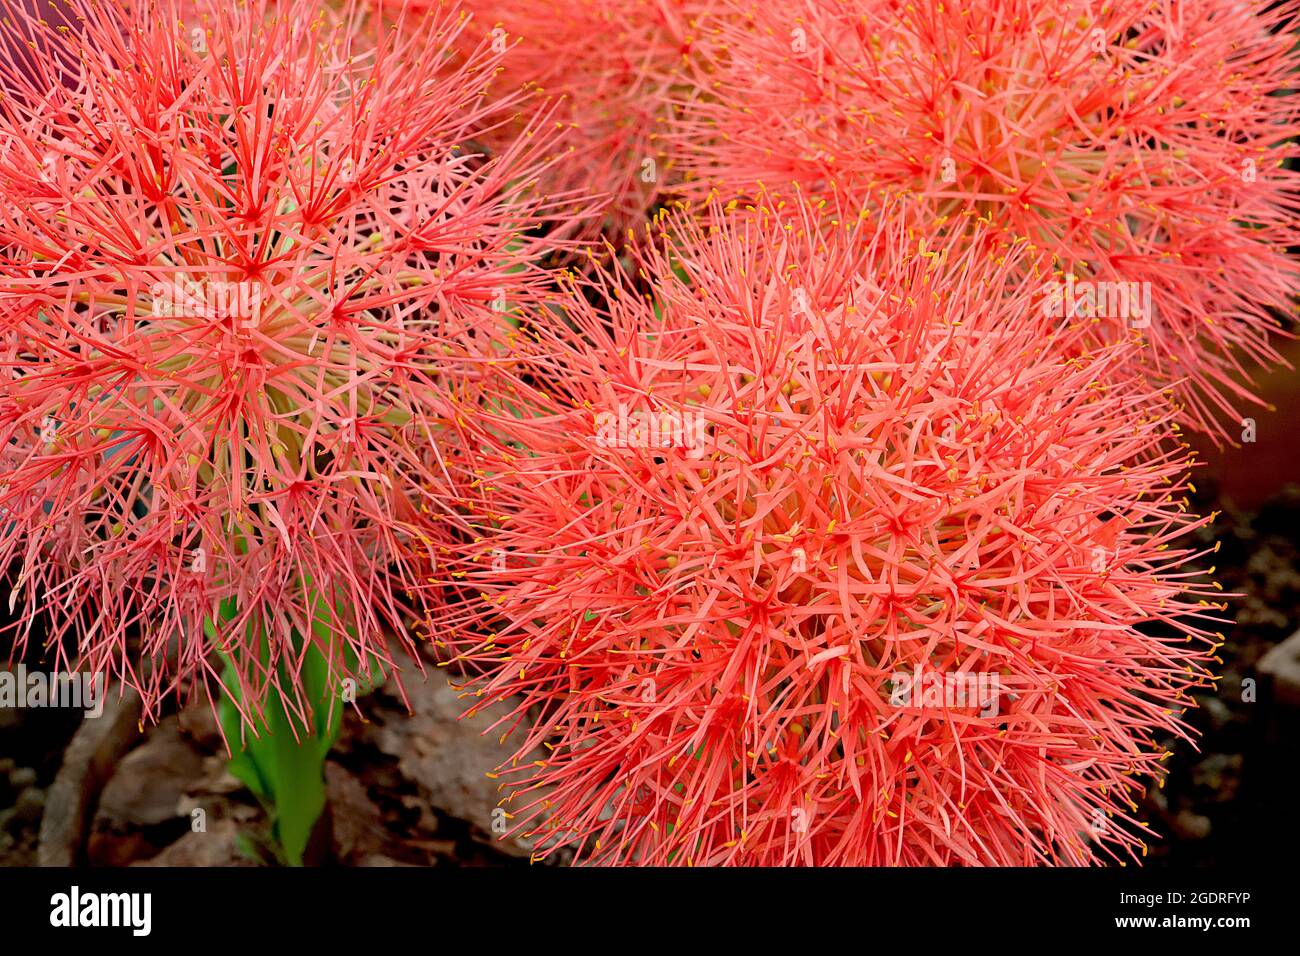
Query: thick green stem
point(280, 758)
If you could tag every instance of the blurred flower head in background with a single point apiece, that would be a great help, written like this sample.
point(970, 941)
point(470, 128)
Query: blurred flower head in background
point(613, 71)
point(1126, 142)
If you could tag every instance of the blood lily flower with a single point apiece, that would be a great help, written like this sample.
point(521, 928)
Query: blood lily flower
point(1138, 145)
point(235, 259)
point(806, 543)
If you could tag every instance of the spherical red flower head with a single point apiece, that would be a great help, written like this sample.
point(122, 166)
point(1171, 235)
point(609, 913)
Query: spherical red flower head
point(615, 68)
point(1137, 144)
point(236, 261)
point(812, 548)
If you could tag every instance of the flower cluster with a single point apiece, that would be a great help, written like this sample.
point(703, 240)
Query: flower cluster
point(832, 510)
point(236, 260)
point(891, 609)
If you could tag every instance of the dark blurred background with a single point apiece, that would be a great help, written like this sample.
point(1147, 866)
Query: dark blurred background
point(1231, 798)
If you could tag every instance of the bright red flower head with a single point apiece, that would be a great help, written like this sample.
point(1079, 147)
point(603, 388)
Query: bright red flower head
point(1130, 142)
point(235, 261)
point(808, 546)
